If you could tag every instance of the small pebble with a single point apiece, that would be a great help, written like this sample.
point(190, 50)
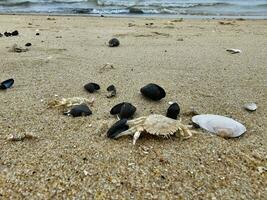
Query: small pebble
point(28, 44)
point(250, 106)
point(15, 33)
point(114, 42)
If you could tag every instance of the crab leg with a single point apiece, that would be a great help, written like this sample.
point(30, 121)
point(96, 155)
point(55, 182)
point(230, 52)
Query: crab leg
point(130, 131)
point(137, 121)
point(136, 136)
point(184, 129)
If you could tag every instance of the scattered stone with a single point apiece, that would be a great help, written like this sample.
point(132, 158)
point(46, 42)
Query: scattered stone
point(177, 20)
point(226, 23)
point(153, 92)
point(173, 111)
point(21, 137)
point(91, 87)
point(28, 44)
point(7, 34)
point(123, 110)
point(79, 110)
point(6, 84)
point(114, 42)
point(15, 33)
point(250, 106)
point(37, 34)
point(112, 91)
point(131, 24)
point(51, 18)
point(117, 128)
point(234, 51)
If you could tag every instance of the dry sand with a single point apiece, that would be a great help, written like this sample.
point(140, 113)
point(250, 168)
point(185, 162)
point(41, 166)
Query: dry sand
point(72, 157)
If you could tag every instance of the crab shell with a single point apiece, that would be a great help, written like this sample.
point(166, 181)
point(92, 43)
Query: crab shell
point(68, 102)
point(153, 124)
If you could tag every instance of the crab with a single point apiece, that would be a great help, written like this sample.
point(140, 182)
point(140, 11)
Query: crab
point(153, 124)
point(69, 102)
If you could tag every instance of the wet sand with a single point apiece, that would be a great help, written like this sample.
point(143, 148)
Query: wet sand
point(73, 159)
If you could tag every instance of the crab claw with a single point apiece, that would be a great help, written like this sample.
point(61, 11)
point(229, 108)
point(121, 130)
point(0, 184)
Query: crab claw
point(117, 128)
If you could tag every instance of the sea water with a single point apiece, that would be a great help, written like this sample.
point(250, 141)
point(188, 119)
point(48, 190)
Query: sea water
point(212, 8)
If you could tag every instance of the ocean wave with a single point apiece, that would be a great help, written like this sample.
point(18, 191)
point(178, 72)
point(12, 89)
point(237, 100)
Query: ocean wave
point(262, 5)
point(36, 2)
point(163, 4)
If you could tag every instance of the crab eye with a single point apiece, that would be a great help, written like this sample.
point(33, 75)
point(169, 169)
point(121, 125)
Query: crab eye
point(117, 128)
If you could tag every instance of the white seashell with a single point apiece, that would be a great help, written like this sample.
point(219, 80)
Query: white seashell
point(250, 106)
point(233, 51)
point(220, 125)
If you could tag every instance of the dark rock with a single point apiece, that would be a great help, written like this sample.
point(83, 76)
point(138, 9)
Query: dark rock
point(37, 34)
point(15, 33)
point(153, 92)
point(112, 91)
point(116, 109)
point(7, 34)
point(7, 84)
point(91, 87)
point(117, 128)
point(127, 111)
point(124, 110)
point(28, 44)
point(114, 42)
point(173, 111)
point(79, 110)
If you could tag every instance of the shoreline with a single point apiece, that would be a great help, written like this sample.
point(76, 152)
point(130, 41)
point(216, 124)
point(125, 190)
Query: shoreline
point(140, 16)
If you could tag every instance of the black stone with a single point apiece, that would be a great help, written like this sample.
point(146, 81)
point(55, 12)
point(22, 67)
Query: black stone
point(116, 109)
point(15, 33)
point(7, 84)
point(117, 128)
point(153, 92)
point(112, 91)
point(80, 110)
point(28, 44)
point(37, 34)
point(124, 110)
point(127, 111)
point(173, 111)
point(7, 34)
point(91, 87)
point(114, 42)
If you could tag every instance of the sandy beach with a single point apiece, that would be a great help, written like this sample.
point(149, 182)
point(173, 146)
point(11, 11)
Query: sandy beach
point(72, 158)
